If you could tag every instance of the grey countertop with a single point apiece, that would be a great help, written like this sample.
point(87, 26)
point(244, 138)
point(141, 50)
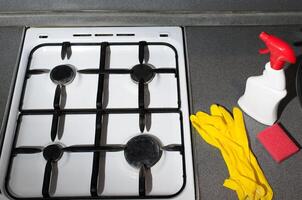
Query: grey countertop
point(220, 60)
point(150, 13)
point(10, 44)
point(146, 5)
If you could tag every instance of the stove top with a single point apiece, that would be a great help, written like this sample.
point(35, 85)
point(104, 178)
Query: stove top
point(99, 113)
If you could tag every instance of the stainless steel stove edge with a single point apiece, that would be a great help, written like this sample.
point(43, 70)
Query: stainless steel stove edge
point(190, 100)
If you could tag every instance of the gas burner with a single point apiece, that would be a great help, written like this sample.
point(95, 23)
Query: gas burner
point(142, 72)
point(143, 150)
point(63, 74)
point(53, 152)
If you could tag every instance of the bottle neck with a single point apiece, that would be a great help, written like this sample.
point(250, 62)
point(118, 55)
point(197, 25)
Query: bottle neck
point(275, 78)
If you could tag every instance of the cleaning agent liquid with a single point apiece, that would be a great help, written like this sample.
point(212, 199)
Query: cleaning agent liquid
point(263, 93)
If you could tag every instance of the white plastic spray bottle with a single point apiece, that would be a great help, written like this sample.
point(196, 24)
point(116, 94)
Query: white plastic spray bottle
point(263, 93)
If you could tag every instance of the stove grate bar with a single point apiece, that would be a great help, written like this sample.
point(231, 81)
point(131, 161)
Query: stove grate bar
point(142, 181)
point(26, 150)
point(47, 179)
point(56, 114)
point(101, 76)
point(66, 50)
point(88, 71)
point(137, 110)
point(89, 148)
point(103, 111)
point(98, 123)
point(164, 70)
point(37, 71)
point(54, 126)
point(105, 71)
point(173, 147)
point(85, 148)
point(141, 88)
point(141, 104)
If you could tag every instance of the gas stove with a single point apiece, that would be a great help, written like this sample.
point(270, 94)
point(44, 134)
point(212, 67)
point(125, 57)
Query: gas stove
point(99, 113)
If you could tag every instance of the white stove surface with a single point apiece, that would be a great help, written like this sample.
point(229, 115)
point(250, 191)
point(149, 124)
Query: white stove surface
point(117, 178)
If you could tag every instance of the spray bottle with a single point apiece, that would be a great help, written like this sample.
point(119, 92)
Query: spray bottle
point(264, 93)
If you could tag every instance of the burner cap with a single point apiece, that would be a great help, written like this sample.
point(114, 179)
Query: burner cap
point(52, 152)
point(143, 150)
point(63, 74)
point(142, 72)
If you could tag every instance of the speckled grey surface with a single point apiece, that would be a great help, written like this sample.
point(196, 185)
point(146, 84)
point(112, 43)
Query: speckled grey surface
point(220, 61)
point(148, 13)
point(159, 18)
point(154, 5)
point(10, 43)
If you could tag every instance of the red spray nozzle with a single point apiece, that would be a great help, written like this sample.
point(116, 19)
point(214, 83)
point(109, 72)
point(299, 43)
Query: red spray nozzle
point(280, 51)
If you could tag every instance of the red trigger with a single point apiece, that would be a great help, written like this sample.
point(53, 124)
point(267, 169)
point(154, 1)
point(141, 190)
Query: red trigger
point(264, 51)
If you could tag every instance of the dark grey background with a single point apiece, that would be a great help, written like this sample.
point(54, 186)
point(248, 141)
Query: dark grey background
point(151, 5)
point(220, 60)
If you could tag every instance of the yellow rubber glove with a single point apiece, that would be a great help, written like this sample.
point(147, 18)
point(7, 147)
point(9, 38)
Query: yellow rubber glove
point(228, 134)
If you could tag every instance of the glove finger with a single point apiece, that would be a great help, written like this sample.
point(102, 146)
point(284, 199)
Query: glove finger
point(202, 132)
point(204, 118)
point(213, 131)
point(215, 121)
point(251, 187)
point(261, 177)
point(240, 129)
point(238, 118)
point(227, 116)
point(233, 185)
point(229, 121)
point(215, 110)
point(195, 122)
point(260, 192)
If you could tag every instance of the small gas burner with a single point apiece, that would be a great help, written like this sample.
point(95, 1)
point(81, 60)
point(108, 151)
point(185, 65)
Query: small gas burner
point(143, 150)
point(63, 74)
point(52, 152)
point(142, 72)
point(84, 132)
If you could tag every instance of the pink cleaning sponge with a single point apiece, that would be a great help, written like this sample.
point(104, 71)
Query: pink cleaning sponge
point(277, 143)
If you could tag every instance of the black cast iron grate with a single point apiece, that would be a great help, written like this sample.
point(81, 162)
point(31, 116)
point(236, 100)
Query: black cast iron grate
point(141, 73)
